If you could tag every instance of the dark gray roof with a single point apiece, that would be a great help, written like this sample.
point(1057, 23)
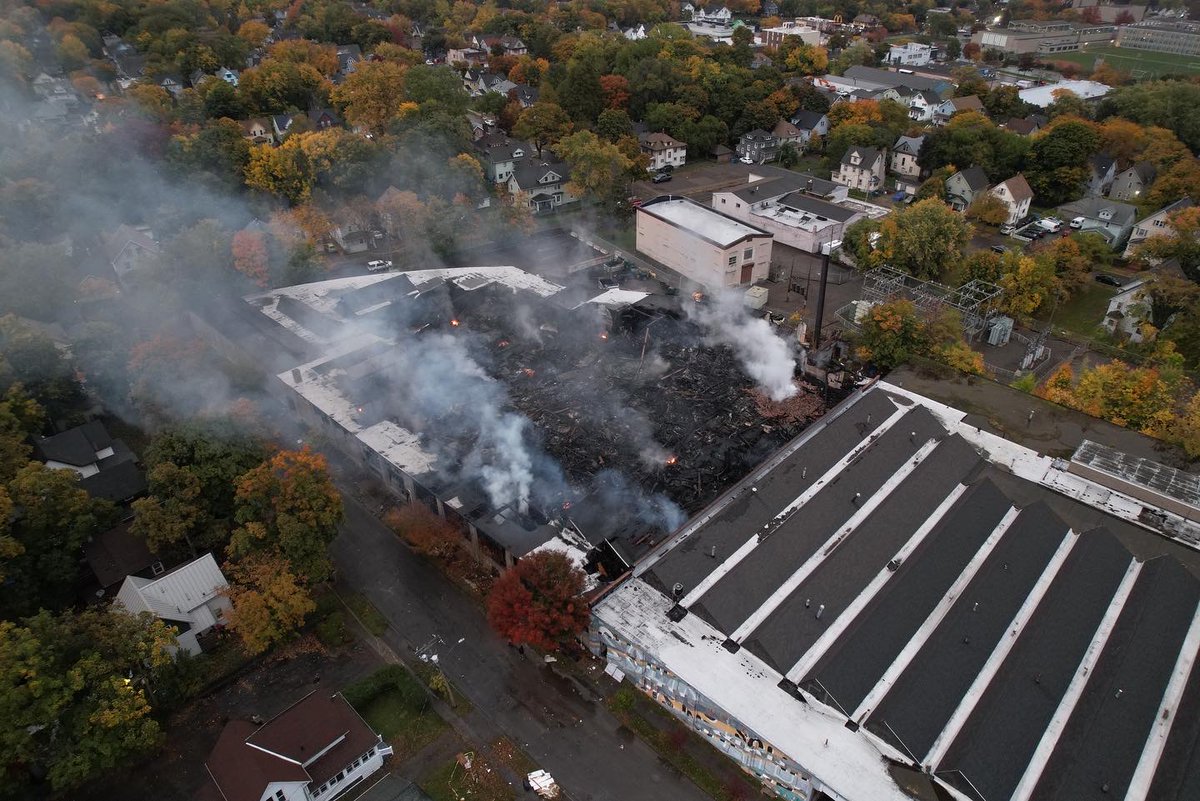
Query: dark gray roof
point(76, 446)
point(758, 135)
point(801, 201)
point(1009, 570)
point(529, 172)
point(867, 154)
point(975, 178)
point(807, 120)
point(778, 182)
point(897, 79)
point(1091, 207)
point(498, 147)
point(1145, 171)
point(116, 554)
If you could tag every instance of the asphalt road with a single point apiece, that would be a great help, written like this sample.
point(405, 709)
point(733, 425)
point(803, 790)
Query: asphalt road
point(567, 733)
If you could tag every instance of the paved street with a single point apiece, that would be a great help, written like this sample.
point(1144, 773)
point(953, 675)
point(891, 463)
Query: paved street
point(567, 733)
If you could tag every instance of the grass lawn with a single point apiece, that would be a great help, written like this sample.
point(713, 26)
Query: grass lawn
point(397, 707)
point(1082, 314)
point(1141, 63)
point(451, 782)
point(371, 617)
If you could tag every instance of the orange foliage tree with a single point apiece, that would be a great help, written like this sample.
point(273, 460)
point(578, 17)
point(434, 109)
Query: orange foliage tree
point(427, 533)
point(249, 250)
point(269, 601)
point(538, 602)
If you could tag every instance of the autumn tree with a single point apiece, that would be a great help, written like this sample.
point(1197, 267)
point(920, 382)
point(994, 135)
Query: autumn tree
point(428, 534)
point(250, 256)
point(616, 91)
point(988, 209)
point(537, 602)
point(598, 168)
point(1058, 159)
point(75, 693)
point(173, 514)
point(1141, 398)
point(1071, 266)
point(543, 124)
point(286, 170)
point(1182, 243)
point(1028, 283)
point(269, 600)
point(288, 506)
point(371, 96)
point(925, 239)
point(56, 517)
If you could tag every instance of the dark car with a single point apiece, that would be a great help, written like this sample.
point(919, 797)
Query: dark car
point(661, 178)
point(999, 249)
point(1111, 280)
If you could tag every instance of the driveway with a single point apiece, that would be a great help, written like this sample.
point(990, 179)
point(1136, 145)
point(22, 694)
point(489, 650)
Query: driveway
point(571, 735)
point(694, 180)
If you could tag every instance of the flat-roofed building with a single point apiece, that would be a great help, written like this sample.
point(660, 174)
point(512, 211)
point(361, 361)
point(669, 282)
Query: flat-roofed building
point(1162, 36)
point(1043, 36)
point(710, 249)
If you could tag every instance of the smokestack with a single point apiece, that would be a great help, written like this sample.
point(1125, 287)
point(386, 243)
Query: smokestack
point(295, 375)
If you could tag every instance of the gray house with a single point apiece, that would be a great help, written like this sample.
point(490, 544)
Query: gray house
point(964, 186)
point(1102, 171)
point(1132, 182)
point(810, 123)
point(758, 146)
point(1112, 220)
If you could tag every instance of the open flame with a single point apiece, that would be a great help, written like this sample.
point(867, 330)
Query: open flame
point(672, 459)
point(698, 296)
point(528, 372)
point(455, 323)
point(603, 336)
point(566, 506)
point(504, 343)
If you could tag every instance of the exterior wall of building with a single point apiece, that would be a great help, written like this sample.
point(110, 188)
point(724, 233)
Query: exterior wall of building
point(864, 177)
point(673, 156)
point(354, 773)
point(773, 37)
point(905, 164)
point(1179, 38)
point(702, 262)
point(761, 759)
point(1126, 186)
point(1154, 225)
point(292, 791)
point(808, 240)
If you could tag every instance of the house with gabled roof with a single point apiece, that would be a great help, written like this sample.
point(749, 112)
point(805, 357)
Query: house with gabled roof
point(921, 105)
point(190, 598)
point(318, 748)
point(107, 468)
point(1156, 224)
point(948, 108)
point(1111, 219)
point(1016, 195)
point(663, 150)
point(810, 124)
point(540, 183)
point(130, 250)
point(499, 154)
point(904, 164)
point(963, 186)
point(1131, 183)
point(862, 168)
point(758, 146)
point(1102, 171)
point(787, 133)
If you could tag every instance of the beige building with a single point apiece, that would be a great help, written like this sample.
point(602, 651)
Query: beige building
point(708, 248)
point(1048, 36)
point(862, 168)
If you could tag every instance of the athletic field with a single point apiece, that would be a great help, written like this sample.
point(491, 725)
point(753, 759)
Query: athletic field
point(1141, 63)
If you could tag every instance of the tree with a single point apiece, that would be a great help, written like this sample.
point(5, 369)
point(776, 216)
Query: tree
point(537, 602)
point(1180, 180)
point(288, 505)
point(616, 91)
point(1027, 283)
point(173, 514)
point(988, 209)
point(286, 170)
point(428, 534)
point(1182, 243)
point(440, 86)
point(543, 124)
point(581, 93)
point(250, 256)
point(926, 239)
point(614, 123)
point(75, 692)
point(788, 155)
point(269, 600)
point(1169, 104)
point(222, 100)
point(217, 452)
point(807, 59)
point(253, 33)
point(1058, 159)
point(1141, 398)
point(1071, 266)
point(891, 334)
point(371, 96)
point(275, 86)
point(598, 168)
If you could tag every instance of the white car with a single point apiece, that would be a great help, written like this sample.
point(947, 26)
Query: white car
point(746, 160)
point(379, 264)
point(1077, 222)
point(1052, 224)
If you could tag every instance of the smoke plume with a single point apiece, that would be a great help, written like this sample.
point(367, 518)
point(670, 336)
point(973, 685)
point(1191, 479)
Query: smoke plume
point(765, 356)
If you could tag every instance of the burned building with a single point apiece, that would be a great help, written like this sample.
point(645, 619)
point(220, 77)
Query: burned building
point(900, 605)
point(531, 414)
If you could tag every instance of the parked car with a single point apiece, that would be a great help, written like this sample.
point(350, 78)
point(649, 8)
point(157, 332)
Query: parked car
point(667, 168)
point(379, 264)
point(1077, 222)
point(1007, 229)
point(1052, 224)
point(661, 178)
point(1111, 280)
point(746, 160)
point(999, 249)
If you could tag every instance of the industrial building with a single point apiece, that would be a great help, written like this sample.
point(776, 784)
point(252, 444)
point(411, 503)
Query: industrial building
point(1162, 36)
point(711, 250)
point(1043, 36)
point(901, 605)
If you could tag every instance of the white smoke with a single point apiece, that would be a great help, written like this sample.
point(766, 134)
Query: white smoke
point(764, 355)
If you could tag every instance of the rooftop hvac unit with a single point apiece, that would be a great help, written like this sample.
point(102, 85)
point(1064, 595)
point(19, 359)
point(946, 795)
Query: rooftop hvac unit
point(1000, 331)
point(756, 297)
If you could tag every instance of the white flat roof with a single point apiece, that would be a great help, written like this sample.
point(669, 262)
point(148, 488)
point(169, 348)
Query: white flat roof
point(1044, 95)
point(702, 221)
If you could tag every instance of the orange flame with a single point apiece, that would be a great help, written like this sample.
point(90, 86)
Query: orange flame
point(454, 323)
point(672, 459)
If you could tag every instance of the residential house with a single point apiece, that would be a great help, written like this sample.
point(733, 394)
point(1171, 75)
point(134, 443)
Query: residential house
point(786, 133)
point(1102, 171)
point(948, 108)
point(353, 237)
point(284, 124)
point(1026, 126)
point(1127, 310)
point(910, 54)
point(525, 95)
point(712, 250)
point(760, 60)
point(1016, 196)
point(190, 598)
point(324, 118)
point(904, 164)
point(480, 82)
point(1131, 183)
point(481, 124)
point(663, 150)
point(130, 250)
point(130, 64)
point(1156, 224)
point(172, 83)
point(540, 183)
point(963, 186)
point(316, 749)
point(635, 34)
point(922, 104)
point(499, 155)
point(258, 131)
point(721, 153)
point(107, 468)
point(862, 168)
point(769, 9)
point(472, 56)
point(758, 146)
point(231, 77)
point(1111, 219)
point(712, 15)
point(113, 556)
point(810, 124)
point(348, 57)
point(506, 45)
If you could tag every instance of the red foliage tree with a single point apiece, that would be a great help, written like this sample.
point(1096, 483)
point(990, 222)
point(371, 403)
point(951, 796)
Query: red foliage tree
point(538, 601)
point(250, 256)
point(616, 90)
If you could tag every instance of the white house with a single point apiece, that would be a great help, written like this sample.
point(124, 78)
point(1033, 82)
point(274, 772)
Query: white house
point(921, 105)
point(911, 54)
point(635, 34)
point(1127, 310)
point(663, 150)
point(713, 15)
point(188, 597)
point(229, 76)
point(862, 168)
point(1157, 224)
point(710, 249)
point(316, 749)
point(1016, 195)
